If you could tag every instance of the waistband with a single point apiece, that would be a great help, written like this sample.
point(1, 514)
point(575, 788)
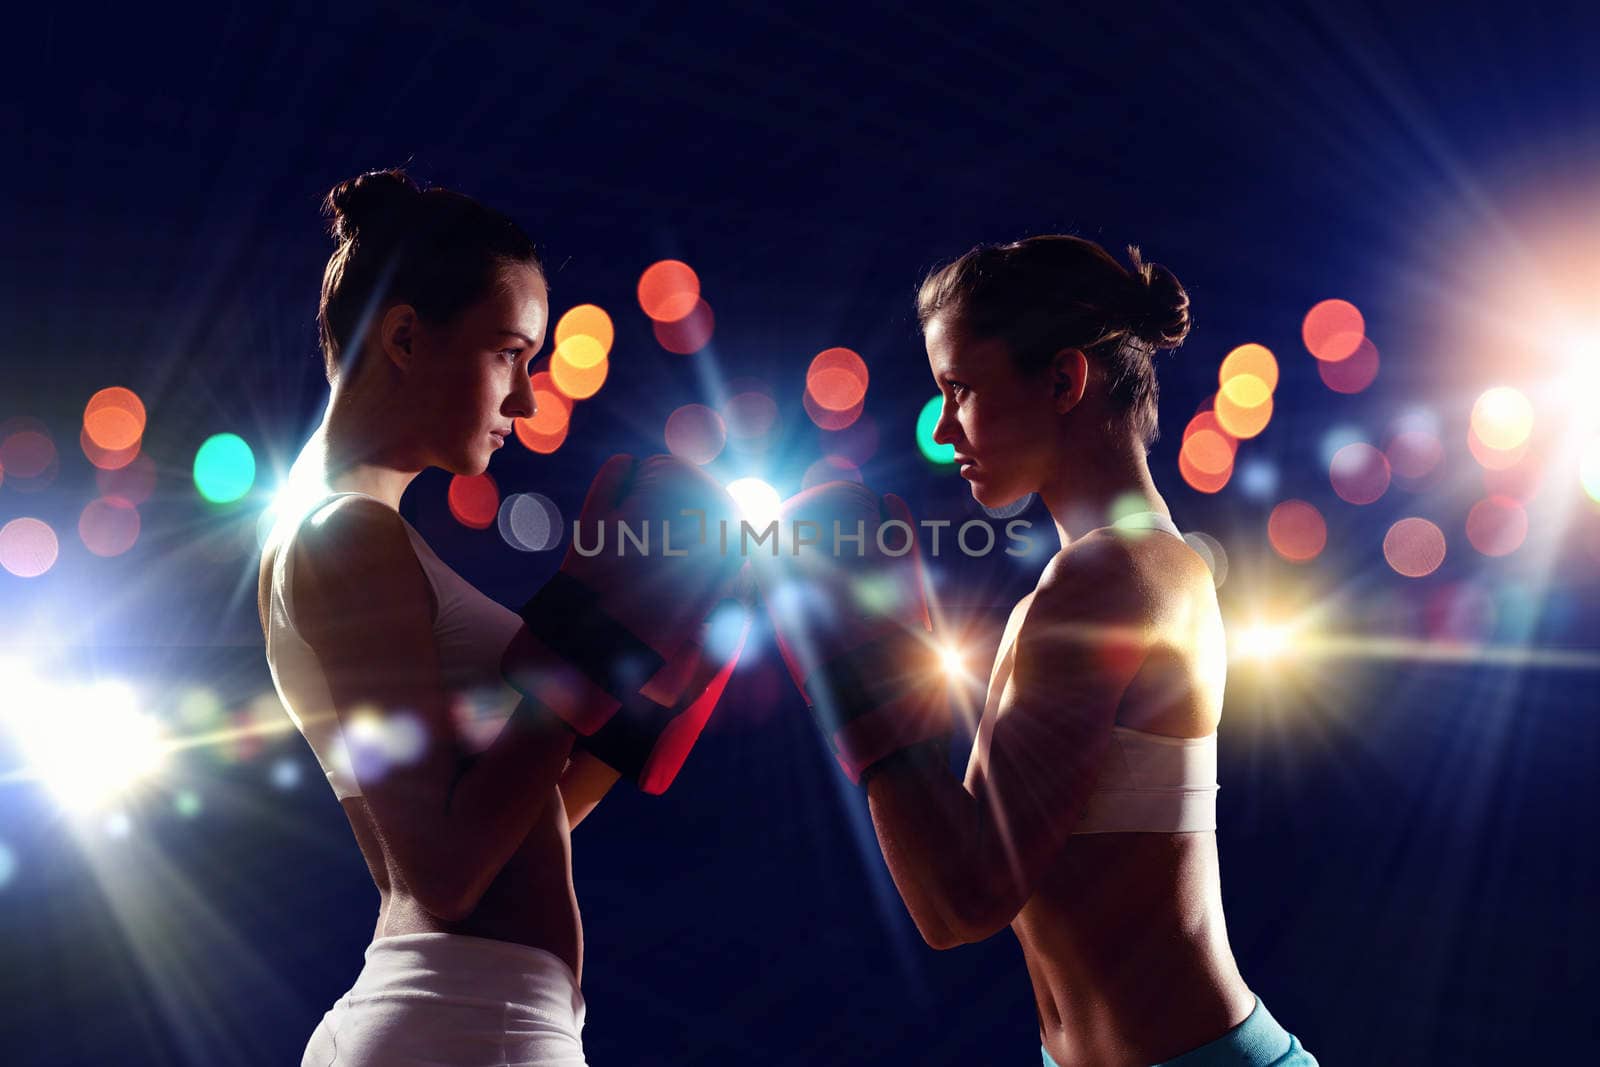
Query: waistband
point(467, 969)
point(1259, 1041)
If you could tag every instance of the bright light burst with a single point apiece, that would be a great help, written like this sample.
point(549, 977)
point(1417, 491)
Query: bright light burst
point(758, 502)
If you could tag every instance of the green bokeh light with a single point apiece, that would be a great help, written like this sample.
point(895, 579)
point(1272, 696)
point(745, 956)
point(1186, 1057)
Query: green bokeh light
point(224, 468)
point(926, 421)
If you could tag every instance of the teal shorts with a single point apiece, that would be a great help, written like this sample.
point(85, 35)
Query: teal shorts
point(1257, 1042)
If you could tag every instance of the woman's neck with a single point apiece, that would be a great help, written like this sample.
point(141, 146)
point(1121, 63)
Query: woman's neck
point(1092, 487)
point(361, 448)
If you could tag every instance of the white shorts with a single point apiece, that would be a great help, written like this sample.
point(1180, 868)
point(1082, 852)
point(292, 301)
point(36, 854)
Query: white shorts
point(440, 999)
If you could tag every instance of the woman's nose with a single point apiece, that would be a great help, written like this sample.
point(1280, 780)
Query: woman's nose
point(945, 430)
point(522, 404)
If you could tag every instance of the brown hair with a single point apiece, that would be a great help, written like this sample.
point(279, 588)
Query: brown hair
point(439, 251)
point(1047, 293)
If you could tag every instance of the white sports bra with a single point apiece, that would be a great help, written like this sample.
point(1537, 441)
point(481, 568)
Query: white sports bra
point(1149, 782)
point(470, 630)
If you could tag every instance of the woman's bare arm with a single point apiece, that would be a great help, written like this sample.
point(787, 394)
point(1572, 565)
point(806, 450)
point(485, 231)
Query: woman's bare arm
point(364, 605)
point(585, 781)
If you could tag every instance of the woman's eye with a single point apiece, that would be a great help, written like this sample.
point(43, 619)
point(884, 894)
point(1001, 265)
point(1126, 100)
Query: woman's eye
point(957, 388)
point(511, 353)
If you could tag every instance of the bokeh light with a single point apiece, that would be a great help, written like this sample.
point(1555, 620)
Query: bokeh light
point(837, 379)
point(1502, 418)
point(826, 418)
point(1199, 480)
point(1333, 330)
point(1210, 549)
point(114, 419)
point(1589, 469)
point(1497, 526)
point(687, 335)
point(579, 383)
point(580, 352)
point(552, 407)
point(132, 483)
point(830, 469)
point(668, 290)
point(587, 320)
point(1359, 473)
point(750, 416)
point(696, 434)
point(224, 468)
point(927, 419)
point(1258, 478)
point(474, 500)
point(1414, 454)
point(530, 522)
point(1297, 531)
point(27, 453)
point(1414, 547)
point(1353, 373)
point(1253, 359)
point(1244, 406)
point(28, 547)
point(102, 459)
point(1494, 459)
point(542, 443)
point(109, 526)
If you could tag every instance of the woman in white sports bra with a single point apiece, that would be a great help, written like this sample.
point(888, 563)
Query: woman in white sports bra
point(389, 663)
point(1086, 821)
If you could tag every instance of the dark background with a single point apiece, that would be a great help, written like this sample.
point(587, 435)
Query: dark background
point(1406, 852)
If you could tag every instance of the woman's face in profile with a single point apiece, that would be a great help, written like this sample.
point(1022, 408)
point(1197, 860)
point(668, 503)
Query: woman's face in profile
point(1001, 423)
point(474, 379)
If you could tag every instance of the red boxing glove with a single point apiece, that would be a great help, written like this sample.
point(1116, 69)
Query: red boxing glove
point(620, 643)
point(846, 602)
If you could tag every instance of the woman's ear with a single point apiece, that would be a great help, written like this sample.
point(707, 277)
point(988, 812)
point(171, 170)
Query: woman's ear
point(1069, 374)
point(397, 335)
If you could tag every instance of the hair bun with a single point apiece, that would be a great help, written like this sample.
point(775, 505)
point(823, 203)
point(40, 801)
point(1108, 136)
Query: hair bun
point(1158, 311)
point(368, 203)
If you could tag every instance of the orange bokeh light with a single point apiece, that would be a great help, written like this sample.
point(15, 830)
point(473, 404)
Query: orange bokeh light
point(578, 383)
point(542, 443)
point(827, 419)
point(587, 320)
point(1199, 480)
point(1297, 531)
point(668, 290)
point(1244, 406)
point(1333, 330)
point(1254, 359)
point(114, 418)
point(474, 500)
point(837, 379)
point(552, 407)
point(104, 459)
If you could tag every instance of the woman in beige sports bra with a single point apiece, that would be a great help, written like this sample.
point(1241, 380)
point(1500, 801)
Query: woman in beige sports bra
point(1086, 820)
point(432, 307)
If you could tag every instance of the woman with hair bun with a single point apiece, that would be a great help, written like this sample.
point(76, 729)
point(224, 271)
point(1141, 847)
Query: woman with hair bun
point(460, 793)
point(1086, 821)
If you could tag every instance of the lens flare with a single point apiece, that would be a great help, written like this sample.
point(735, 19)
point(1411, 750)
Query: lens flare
point(758, 502)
